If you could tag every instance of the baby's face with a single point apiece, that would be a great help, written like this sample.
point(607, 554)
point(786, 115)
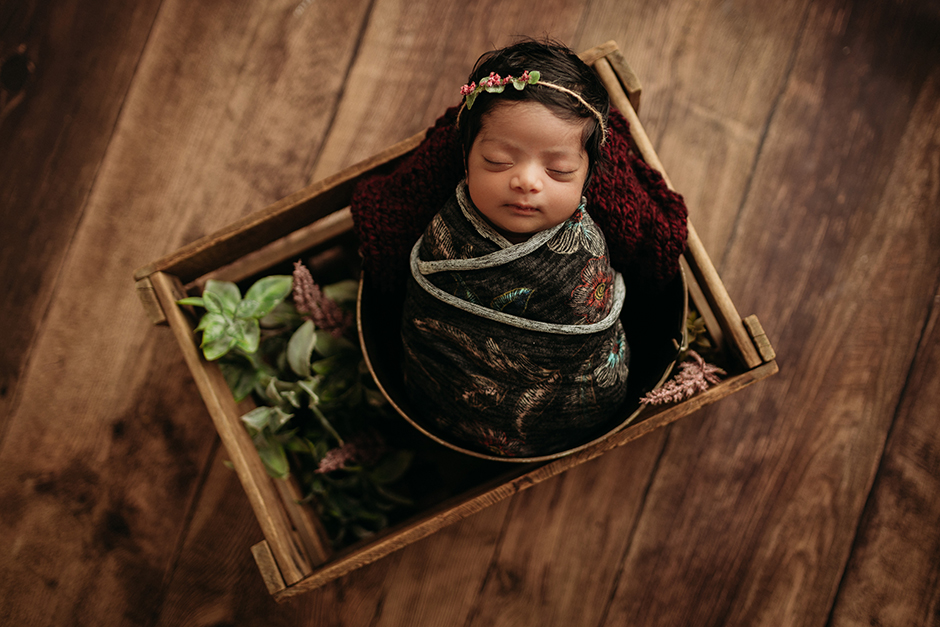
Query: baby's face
point(526, 169)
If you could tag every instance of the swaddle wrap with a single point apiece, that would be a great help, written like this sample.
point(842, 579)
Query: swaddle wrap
point(513, 349)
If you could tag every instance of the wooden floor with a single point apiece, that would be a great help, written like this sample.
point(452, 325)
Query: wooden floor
point(805, 136)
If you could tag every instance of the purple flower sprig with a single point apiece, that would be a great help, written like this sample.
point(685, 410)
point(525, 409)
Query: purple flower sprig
point(314, 305)
point(366, 448)
point(695, 375)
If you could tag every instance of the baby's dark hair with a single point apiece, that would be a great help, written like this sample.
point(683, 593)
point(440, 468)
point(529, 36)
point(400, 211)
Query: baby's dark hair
point(557, 64)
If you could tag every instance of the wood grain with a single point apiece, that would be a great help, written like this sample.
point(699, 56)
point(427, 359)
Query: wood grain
point(559, 558)
point(448, 38)
point(802, 135)
point(762, 510)
point(712, 73)
point(892, 576)
point(53, 141)
point(104, 454)
point(696, 259)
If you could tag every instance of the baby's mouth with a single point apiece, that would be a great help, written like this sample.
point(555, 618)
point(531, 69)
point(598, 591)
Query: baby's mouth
point(523, 208)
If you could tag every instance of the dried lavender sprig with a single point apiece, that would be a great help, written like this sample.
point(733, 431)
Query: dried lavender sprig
point(364, 449)
point(310, 300)
point(695, 375)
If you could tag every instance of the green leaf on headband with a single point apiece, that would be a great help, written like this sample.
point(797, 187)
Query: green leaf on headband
point(495, 89)
point(534, 77)
point(471, 98)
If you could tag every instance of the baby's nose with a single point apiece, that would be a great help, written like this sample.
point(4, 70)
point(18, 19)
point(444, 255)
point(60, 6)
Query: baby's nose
point(527, 179)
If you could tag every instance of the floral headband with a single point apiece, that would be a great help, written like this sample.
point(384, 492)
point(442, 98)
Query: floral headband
point(495, 84)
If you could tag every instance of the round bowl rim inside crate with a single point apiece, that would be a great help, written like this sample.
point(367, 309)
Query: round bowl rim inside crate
point(372, 355)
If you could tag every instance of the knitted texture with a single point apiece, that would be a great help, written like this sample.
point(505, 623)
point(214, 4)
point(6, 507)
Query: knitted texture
point(644, 221)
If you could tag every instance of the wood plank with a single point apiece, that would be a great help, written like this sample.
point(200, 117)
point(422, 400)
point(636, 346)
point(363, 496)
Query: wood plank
point(217, 581)
point(436, 581)
point(562, 532)
point(712, 73)
point(892, 576)
point(267, 565)
point(106, 448)
point(291, 217)
point(54, 132)
point(443, 40)
point(97, 471)
point(293, 560)
point(751, 521)
point(696, 258)
point(227, 588)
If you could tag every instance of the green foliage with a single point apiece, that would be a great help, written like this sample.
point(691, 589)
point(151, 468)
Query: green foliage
point(698, 333)
point(233, 322)
point(317, 408)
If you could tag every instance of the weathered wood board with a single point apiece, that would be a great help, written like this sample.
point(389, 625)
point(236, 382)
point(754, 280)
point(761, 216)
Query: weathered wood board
point(801, 133)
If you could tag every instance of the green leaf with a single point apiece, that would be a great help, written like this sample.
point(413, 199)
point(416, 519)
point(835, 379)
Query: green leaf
point(275, 459)
point(342, 291)
point(214, 303)
point(213, 326)
point(265, 295)
point(246, 309)
point(247, 334)
point(215, 348)
point(324, 421)
point(534, 77)
point(307, 385)
point(300, 348)
point(326, 365)
point(327, 345)
point(471, 98)
point(196, 301)
point(279, 418)
point(273, 394)
point(241, 377)
point(361, 533)
point(259, 417)
point(226, 293)
point(283, 315)
point(393, 496)
point(292, 398)
point(392, 467)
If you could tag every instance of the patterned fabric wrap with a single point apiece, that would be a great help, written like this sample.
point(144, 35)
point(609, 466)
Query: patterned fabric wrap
point(513, 350)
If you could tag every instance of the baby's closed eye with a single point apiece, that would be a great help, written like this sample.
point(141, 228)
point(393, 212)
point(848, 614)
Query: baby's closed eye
point(497, 161)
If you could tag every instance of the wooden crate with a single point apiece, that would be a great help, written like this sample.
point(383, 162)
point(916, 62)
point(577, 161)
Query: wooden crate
point(294, 556)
